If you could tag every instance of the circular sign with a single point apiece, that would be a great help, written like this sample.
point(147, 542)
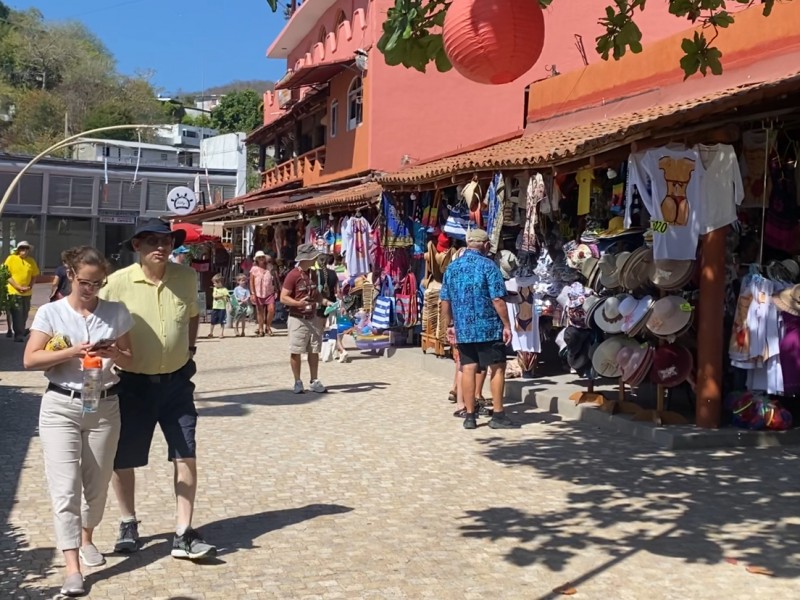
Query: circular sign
point(181, 200)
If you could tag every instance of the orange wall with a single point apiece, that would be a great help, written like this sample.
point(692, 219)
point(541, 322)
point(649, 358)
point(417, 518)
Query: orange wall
point(751, 38)
point(348, 152)
point(434, 114)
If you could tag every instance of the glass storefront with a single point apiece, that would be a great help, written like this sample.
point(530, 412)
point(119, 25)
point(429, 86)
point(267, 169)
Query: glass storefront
point(18, 228)
point(63, 233)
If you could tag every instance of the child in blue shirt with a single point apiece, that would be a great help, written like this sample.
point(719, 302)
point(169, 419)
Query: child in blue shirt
point(241, 312)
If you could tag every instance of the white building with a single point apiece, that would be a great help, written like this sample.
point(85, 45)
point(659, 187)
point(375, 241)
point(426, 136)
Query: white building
point(131, 153)
point(184, 136)
point(228, 153)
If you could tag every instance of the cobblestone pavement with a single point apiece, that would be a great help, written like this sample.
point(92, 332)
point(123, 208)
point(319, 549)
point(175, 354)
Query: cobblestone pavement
point(374, 491)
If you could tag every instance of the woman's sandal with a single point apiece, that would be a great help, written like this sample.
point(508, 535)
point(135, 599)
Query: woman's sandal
point(453, 396)
point(460, 414)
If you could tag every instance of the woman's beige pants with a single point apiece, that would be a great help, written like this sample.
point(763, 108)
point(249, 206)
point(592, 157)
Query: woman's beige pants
point(79, 454)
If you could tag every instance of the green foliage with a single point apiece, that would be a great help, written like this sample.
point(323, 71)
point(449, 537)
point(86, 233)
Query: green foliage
point(108, 114)
point(57, 73)
point(6, 301)
point(239, 111)
point(201, 120)
point(412, 31)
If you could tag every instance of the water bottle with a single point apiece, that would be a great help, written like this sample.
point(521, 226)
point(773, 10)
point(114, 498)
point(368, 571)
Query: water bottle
point(92, 383)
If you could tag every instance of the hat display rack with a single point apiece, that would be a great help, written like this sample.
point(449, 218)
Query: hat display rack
point(640, 306)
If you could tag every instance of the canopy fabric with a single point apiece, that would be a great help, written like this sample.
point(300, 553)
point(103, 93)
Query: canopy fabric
point(194, 233)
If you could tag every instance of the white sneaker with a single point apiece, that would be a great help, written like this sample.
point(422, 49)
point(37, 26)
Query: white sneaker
point(343, 357)
point(298, 387)
point(316, 386)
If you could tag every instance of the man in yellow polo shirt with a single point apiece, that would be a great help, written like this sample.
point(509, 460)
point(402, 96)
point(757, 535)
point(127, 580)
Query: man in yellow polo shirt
point(158, 389)
point(22, 269)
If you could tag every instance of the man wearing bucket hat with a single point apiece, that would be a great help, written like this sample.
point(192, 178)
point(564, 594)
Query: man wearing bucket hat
point(157, 388)
point(473, 306)
point(302, 297)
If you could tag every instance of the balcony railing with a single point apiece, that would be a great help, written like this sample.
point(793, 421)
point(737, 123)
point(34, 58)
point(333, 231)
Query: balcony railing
point(306, 169)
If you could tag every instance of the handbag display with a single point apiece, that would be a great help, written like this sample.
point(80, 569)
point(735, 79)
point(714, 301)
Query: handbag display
point(406, 303)
point(457, 223)
point(383, 311)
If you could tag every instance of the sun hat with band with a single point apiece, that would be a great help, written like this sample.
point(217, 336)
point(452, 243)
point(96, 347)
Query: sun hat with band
point(671, 275)
point(672, 365)
point(788, 301)
point(604, 359)
point(635, 362)
point(158, 227)
point(607, 317)
point(306, 252)
point(670, 316)
point(21, 245)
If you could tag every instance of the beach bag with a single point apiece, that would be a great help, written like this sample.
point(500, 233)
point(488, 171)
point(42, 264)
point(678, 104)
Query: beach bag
point(383, 311)
point(430, 214)
point(327, 351)
point(457, 223)
point(373, 342)
point(406, 303)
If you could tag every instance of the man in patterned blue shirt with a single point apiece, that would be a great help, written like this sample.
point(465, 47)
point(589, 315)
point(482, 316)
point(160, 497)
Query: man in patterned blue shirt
point(473, 306)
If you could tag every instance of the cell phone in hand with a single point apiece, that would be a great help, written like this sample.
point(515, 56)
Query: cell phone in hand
point(102, 344)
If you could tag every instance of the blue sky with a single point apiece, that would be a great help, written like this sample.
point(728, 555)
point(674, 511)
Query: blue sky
point(186, 43)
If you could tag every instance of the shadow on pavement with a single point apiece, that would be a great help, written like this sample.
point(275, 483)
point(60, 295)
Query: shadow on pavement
point(358, 388)
point(699, 507)
point(230, 535)
point(237, 405)
point(19, 415)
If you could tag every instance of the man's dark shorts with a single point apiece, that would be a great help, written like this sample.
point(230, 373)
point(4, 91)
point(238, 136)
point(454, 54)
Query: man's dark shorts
point(483, 354)
point(166, 400)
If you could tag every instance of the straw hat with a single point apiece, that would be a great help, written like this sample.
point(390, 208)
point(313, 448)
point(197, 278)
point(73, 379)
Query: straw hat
point(672, 365)
point(671, 275)
point(472, 194)
point(670, 316)
point(588, 268)
point(607, 316)
point(604, 359)
point(590, 305)
point(636, 271)
point(609, 276)
point(792, 267)
point(635, 313)
point(507, 261)
point(632, 361)
point(788, 300)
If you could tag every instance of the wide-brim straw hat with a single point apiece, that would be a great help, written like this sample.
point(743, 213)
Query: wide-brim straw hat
point(672, 365)
point(632, 361)
point(604, 358)
point(671, 275)
point(788, 300)
point(670, 316)
point(607, 316)
point(635, 273)
point(635, 314)
point(590, 305)
point(609, 275)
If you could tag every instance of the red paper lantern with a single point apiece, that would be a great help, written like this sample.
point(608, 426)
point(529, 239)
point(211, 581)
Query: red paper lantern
point(493, 41)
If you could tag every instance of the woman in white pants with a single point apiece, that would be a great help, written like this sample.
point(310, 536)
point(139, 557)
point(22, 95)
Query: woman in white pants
point(79, 445)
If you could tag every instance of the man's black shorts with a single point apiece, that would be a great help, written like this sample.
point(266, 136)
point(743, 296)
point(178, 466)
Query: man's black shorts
point(166, 400)
point(483, 354)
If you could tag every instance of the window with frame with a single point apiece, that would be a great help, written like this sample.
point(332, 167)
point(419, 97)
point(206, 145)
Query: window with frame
point(334, 124)
point(355, 104)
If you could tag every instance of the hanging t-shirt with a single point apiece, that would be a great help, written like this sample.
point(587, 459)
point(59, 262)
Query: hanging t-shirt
point(357, 234)
point(723, 189)
point(670, 183)
point(523, 317)
point(584, 177)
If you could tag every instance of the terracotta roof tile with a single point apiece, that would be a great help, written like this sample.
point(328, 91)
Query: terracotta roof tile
point(563, 143)
point(358, 194)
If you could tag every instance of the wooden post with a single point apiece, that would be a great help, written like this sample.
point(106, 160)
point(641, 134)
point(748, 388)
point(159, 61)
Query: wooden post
point(710, 329)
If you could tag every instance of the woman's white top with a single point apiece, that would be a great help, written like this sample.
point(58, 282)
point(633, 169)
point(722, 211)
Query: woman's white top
point(110, 320)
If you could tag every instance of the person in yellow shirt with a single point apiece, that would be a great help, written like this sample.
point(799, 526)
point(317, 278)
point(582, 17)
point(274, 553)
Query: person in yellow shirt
point(23, 270)
point(157, 388)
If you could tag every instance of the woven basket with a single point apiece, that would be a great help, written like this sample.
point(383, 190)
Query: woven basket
point(368, 296)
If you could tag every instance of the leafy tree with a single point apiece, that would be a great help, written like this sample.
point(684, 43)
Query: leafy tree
point(238, 111)
point(412, 31)
point(38, 121)
point(108, 114)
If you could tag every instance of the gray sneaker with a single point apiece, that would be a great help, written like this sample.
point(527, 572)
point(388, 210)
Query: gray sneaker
point(91, 556)
point(73, 586)
point(128, 539)
point(298, 387)
point(316, 386)
point(190, 545)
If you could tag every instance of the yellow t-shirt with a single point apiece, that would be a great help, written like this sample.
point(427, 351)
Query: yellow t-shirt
point(221, 297)
point(161, 314)
point(584, 177)
point(23, 271)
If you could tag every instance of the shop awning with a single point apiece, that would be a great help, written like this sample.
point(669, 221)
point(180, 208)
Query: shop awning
point(214, 227)
point(315, 74)
point(194, 233)
point(344, 198)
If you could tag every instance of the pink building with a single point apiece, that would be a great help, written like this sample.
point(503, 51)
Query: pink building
point(341, 113)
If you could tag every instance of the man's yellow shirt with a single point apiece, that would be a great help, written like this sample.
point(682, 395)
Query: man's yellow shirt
point(161, 313)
